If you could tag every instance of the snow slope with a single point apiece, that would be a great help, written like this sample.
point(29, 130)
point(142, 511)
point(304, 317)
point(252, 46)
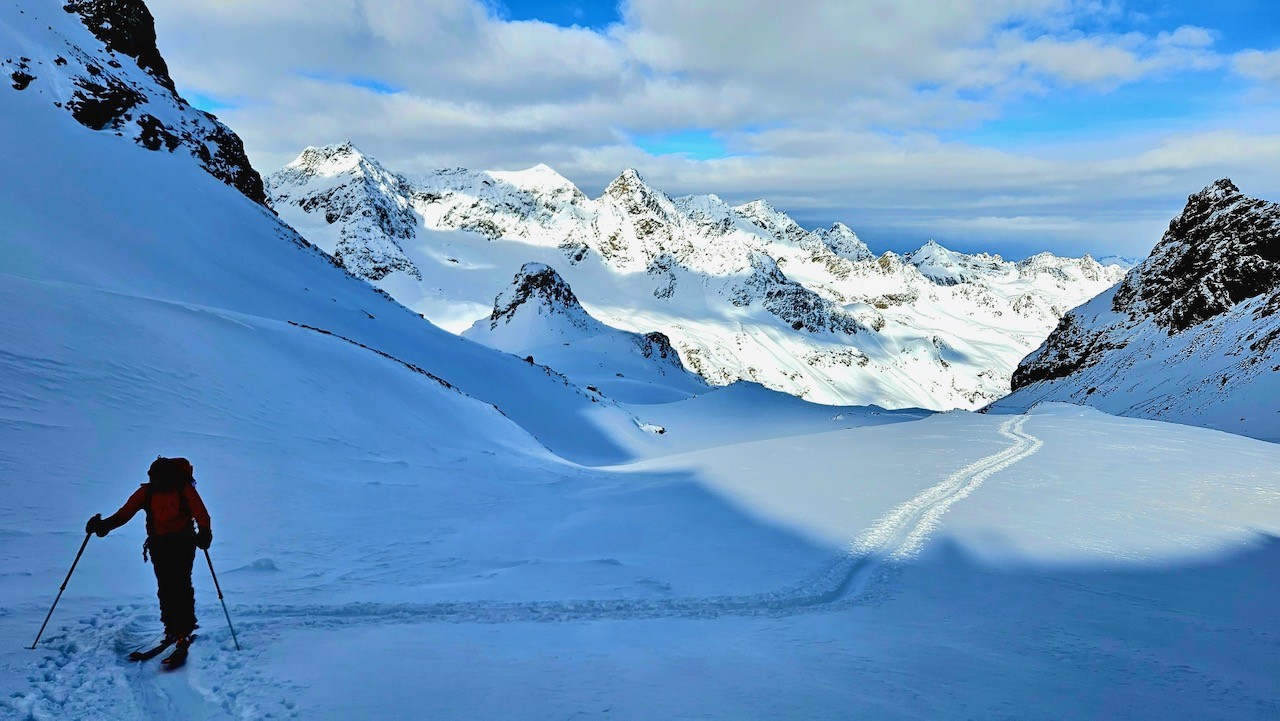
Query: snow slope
point(173, 233)
point(743, 293)
point(1189, 336)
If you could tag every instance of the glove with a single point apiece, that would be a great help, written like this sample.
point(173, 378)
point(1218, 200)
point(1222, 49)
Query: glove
point(204, 538)
point(96, 525)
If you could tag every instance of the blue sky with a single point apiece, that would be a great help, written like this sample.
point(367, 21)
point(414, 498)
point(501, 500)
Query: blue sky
point(1008, 125)
point(585, 13)
point(1238, 24)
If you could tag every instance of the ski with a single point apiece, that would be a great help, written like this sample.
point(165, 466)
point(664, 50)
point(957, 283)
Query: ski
point(178, 658)
point(150, 653)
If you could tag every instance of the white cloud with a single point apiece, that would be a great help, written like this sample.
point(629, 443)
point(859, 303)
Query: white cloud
point(1259, 65)
point(833, 106)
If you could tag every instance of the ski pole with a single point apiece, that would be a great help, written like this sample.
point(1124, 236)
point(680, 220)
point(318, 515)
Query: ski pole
point(224, 603)
point(60, 590)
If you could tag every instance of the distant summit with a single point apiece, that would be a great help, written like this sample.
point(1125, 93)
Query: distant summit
point(540, 290)
point(741, 292)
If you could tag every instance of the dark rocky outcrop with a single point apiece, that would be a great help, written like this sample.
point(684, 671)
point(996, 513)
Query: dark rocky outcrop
point(658, 345)
point(98, 105)
point(109, 94)
point(791, 302)
point(1223, 248)
point(125, 26)
point(1220, 251)
point(542, 285)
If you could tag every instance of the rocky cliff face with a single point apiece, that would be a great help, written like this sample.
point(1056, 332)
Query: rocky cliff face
point(1223, 248)
point(1192, 334)
point(743, 293)
point(109, 75)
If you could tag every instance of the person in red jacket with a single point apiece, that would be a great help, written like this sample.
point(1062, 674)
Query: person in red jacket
point(172, 505)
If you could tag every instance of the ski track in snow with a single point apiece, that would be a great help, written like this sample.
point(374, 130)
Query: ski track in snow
point(81, 670)
point(896, 537)
point(886, 536)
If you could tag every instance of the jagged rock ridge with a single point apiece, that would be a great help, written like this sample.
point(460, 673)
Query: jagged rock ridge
point(1192, 333)
point(1222, 249)
point(113, 79)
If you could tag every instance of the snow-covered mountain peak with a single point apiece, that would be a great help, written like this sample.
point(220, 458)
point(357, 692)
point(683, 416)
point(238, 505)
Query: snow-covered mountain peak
point(948, 267)
point(540, 177)
point(627, 182)
point(763, 215)
point(758, 208)
point(1122, 261)
point(368, 204)
point(845, 243)
point(328, 161)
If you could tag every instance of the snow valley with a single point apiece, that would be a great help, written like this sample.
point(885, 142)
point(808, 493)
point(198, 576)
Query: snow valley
point(472, 445)
point(742, 293)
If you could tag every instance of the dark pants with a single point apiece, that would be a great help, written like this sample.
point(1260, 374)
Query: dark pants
point(171, 557)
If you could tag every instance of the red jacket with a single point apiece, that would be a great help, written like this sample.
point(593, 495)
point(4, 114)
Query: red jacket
point(166, 511)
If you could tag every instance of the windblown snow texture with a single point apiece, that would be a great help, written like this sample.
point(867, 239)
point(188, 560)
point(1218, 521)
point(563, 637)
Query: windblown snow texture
point(1191, 335)
point(743, 293)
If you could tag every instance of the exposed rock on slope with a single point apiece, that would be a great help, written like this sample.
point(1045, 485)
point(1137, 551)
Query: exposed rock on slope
point(744, 293)
point(1222, 249)
point(540, 287)
point(1192, 334)
point(125, 26)
point(539, 316)
point(110, 76)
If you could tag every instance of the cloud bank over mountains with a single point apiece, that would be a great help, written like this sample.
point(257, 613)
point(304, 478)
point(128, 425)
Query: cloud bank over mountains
point(1067, 125)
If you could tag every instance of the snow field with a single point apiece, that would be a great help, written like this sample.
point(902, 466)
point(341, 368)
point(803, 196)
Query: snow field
point(87, 654)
